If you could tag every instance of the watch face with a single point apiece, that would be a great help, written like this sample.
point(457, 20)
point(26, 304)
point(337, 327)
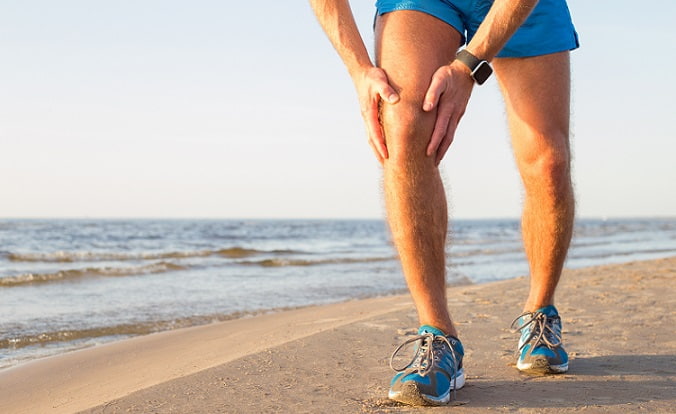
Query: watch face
point(482, 72)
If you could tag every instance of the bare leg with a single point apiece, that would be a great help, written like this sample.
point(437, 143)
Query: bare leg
point(410, 46)
point(537, 96)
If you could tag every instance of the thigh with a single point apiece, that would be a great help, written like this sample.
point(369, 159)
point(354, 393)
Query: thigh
point(410, 47)
point(537, 97)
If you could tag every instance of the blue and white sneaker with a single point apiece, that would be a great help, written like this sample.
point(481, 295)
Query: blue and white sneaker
point(540, 345)
point(435, 370)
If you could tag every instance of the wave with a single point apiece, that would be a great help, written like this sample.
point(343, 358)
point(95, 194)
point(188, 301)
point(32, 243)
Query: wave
point(283, 262)
point(575, 254)
point(456, 253)
point(240, 252)
point(122, 330)
point(75, 256)
point(63, 275)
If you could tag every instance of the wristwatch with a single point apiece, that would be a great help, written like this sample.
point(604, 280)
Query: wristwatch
point(480, 69)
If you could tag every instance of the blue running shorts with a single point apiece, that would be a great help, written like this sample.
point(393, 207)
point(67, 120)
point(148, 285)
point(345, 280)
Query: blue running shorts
point(548, 29)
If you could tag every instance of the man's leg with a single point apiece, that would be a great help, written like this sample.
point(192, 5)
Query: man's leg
point(537, 96)
point(410, 47)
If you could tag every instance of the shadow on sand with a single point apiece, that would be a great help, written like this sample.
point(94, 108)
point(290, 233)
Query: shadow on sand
point(592, 381)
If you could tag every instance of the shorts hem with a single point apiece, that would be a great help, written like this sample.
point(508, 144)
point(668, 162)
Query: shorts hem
point(516, 52)
point(437, 14)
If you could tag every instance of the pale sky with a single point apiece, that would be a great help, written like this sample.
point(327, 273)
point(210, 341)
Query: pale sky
point(242, 109)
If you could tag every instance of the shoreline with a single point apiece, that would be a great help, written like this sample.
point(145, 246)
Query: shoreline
point(155, 275)
point(333, 358)
point(205, 320)
point(18, 383)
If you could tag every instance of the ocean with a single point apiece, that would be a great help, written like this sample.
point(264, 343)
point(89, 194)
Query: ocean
point(70, 284)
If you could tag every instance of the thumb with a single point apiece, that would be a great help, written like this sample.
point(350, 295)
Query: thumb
point(388, 94)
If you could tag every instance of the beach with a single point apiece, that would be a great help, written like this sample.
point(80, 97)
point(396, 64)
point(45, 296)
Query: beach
point(69, 284)
point(618, 329)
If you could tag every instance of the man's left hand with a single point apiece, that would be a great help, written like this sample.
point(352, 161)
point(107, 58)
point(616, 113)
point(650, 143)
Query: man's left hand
point(449, 92)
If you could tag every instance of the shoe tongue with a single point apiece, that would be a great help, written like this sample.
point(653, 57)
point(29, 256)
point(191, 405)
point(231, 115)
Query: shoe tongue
point(430, 329)
point(548, 310)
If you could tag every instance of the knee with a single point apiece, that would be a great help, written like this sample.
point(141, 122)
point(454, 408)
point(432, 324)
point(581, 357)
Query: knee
point(546, 165)
point(407, 131)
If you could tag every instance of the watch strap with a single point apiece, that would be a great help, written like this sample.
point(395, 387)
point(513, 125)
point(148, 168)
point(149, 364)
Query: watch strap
point(468, 59)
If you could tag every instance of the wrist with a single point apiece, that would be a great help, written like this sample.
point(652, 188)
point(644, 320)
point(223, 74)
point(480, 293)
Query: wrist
point(459, 66)
point(360, 70)
point(478, 69)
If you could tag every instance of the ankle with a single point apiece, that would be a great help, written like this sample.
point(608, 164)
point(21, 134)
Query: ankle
point(538, 302)
point(446, 327)
point(533, 308)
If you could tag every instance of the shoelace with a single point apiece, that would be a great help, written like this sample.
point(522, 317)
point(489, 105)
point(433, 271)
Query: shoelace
point(541, 329)
point(424, 359)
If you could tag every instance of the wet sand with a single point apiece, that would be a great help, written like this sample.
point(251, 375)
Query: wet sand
point(618, 327)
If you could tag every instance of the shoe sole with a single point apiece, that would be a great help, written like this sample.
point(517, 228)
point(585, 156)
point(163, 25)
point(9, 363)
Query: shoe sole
point(410, 394)
point(541, 366)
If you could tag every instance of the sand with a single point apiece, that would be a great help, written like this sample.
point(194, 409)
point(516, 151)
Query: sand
point(618, 328)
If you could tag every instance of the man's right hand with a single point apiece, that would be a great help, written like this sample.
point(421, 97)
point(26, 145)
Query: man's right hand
point(372, 87)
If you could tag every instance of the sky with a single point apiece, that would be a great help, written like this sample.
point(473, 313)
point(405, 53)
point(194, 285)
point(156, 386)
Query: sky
point(213, 109)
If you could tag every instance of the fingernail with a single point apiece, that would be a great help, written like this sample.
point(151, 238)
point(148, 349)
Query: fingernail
point(392, 98)
point(427, 106)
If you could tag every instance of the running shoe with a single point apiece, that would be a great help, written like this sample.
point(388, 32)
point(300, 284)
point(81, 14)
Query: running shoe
point(540, 345)
point(435, 370)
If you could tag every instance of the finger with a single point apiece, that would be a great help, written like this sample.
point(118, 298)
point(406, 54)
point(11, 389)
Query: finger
point(376, 152)
point(375, 131)
point(378, 142)
point(439, 131)
point(443, 148)
point(436, 89)
point(446, 142)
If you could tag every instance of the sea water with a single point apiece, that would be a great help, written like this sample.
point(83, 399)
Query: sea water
point(68, 284)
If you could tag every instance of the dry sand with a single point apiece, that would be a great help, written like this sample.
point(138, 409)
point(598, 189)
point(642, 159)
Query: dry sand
point(618, 328)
